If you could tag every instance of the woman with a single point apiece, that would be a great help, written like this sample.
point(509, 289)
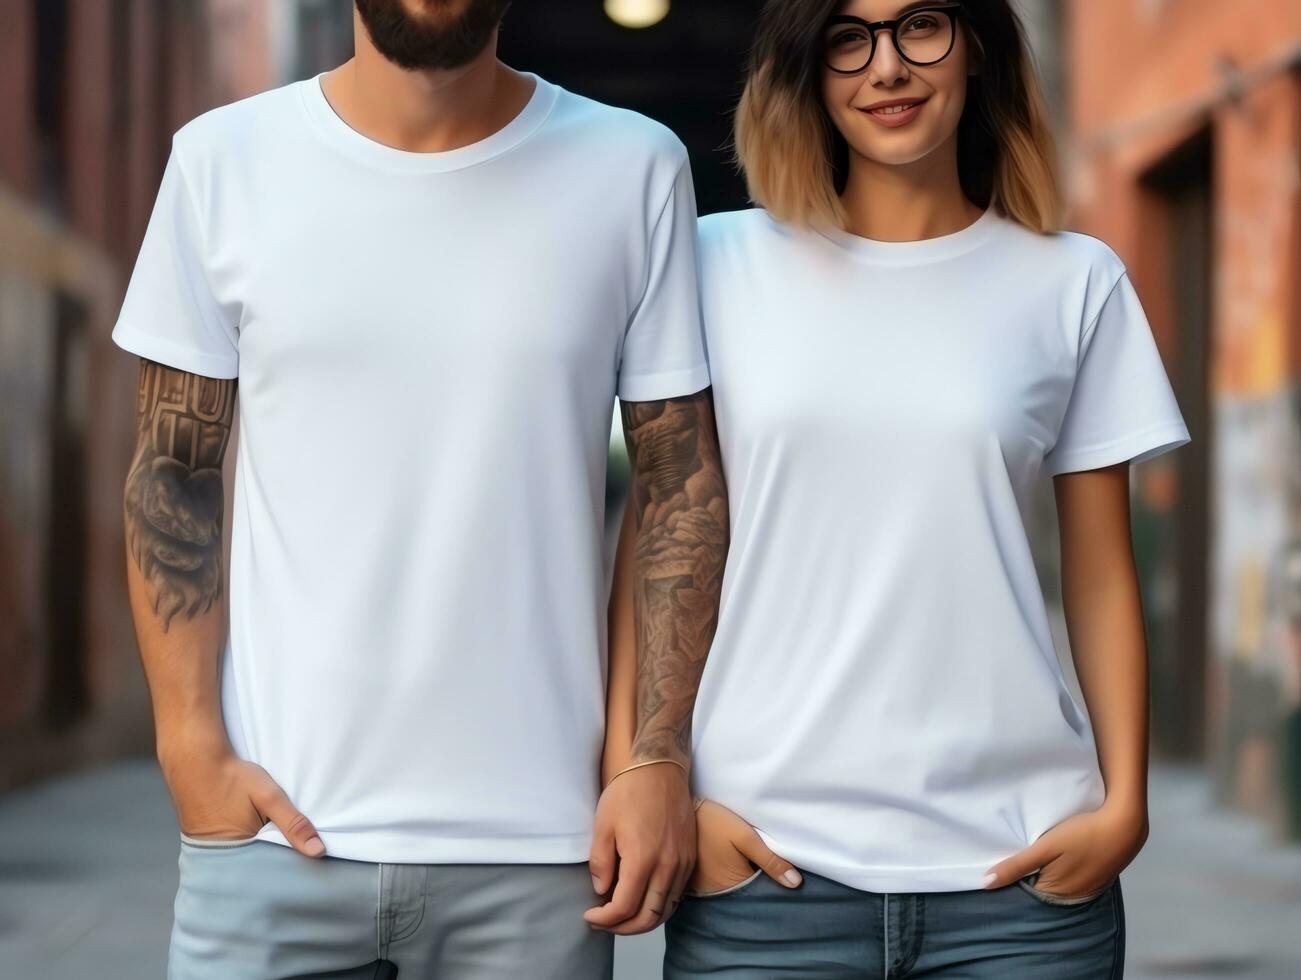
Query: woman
point(902, 344)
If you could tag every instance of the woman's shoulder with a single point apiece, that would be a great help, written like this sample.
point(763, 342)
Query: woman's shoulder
point(747, 231)
point(731, 224)
point(1072, 266)
point(1068, 251)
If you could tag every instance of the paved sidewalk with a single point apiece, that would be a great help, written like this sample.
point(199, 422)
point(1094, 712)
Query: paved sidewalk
point(88, 872)
point(1210, 895)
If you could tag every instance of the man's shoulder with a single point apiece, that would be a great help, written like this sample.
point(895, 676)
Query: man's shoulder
point(238, 126)
point(620, 131)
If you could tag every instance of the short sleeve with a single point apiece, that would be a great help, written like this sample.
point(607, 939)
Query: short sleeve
point(663, 353)
point(1121, 406)
point(169, 313)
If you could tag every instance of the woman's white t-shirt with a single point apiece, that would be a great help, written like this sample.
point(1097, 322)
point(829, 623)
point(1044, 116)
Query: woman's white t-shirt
point(882, 699)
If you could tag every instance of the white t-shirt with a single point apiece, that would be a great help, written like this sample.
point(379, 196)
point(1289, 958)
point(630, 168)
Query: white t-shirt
point(882, 699)
point(428, 348)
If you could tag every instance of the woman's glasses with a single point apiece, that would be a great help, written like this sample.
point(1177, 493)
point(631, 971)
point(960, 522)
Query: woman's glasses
point(922, 36)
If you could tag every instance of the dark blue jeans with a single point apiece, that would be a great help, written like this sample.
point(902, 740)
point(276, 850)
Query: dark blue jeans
point(826, 929)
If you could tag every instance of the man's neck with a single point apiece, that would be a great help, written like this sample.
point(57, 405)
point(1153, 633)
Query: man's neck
point(425, 111)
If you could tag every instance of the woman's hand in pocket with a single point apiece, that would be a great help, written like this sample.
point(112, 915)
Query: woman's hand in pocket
point(1080, 855)
point(727, 851)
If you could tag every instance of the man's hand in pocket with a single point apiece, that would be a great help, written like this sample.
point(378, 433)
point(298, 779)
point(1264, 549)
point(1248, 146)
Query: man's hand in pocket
point(219, 796)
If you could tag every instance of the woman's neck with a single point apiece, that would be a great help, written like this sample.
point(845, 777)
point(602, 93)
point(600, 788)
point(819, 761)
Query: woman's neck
point(909, 202)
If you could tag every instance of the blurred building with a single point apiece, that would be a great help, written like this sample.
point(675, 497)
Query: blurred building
point(90, 93)
point(1185, 123)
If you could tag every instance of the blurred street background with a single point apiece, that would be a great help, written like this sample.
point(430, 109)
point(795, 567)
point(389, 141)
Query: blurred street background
point(1180, 125)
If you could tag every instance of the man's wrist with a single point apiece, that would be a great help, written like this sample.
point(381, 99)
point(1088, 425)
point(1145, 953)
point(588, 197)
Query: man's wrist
point(647, 764)
point(654, 747)
point(190, 743)
point(612, 763)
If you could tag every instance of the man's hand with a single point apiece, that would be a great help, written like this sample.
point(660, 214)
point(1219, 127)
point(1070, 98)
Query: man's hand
point(644, 846)
point(1081, 855)
point(219, 796)
point(728, 850)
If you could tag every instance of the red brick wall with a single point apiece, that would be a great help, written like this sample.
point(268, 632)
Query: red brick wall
point(17, 96)
point(1144, 78)
point(136, 70)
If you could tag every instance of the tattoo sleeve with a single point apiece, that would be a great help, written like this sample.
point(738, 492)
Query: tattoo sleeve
point(173, 498)
point(681, 528)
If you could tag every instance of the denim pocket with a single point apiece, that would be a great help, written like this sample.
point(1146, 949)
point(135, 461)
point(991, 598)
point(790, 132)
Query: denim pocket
point(214, 844)
point(1027, 883)
point(731, 889)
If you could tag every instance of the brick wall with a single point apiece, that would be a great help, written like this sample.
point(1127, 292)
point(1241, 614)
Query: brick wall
point(90, 93)
point(1185, 131)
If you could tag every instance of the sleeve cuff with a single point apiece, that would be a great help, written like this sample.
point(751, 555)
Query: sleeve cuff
point(663, 384)
point(1135, 447)
point(174, 355)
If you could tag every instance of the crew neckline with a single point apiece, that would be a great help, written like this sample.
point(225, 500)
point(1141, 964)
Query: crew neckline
point(919, 251)
point(335, 130)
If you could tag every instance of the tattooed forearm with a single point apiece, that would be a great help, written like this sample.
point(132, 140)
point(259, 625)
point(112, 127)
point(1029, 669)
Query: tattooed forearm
point(680, 507)
point(173, 500)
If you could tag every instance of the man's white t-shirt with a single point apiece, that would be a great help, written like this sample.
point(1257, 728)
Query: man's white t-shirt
point(882, 699)
point(428, 348)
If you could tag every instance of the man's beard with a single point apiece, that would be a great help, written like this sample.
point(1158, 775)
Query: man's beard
point(438, 41)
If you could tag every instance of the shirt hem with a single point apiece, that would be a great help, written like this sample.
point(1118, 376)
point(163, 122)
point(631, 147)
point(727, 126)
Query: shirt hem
point(174, 355)
point(1136, 448)
point(934, 878)
point(965, 877)
point(395, 848)
point(664, 384)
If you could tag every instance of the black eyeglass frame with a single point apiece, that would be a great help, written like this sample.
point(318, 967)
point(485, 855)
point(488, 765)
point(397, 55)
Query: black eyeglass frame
point(950, 10)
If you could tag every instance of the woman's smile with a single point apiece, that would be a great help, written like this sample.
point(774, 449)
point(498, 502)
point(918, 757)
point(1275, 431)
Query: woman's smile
point(895, 112)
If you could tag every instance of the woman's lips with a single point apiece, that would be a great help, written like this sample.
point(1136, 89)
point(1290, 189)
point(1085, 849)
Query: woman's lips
point(898, 114)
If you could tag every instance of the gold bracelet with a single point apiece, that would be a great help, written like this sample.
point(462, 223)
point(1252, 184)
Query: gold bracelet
point(651, 762)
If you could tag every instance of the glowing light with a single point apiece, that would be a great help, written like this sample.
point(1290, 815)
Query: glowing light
point(636, 13)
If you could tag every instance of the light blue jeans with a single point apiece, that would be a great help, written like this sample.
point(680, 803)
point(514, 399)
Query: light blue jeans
point(824, 929)
point(261, 911)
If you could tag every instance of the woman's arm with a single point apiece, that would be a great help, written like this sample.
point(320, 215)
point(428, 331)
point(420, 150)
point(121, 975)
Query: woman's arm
point(621, 684)
point(1104, 620)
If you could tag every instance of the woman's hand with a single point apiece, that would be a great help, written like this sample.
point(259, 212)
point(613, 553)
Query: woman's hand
point(727, 851)
point(1079, 856)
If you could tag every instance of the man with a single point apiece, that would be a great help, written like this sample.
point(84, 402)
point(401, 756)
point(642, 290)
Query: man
point(429, 276)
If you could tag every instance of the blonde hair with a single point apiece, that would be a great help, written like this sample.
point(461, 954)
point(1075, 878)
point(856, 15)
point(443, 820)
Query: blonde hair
point(795, 161)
